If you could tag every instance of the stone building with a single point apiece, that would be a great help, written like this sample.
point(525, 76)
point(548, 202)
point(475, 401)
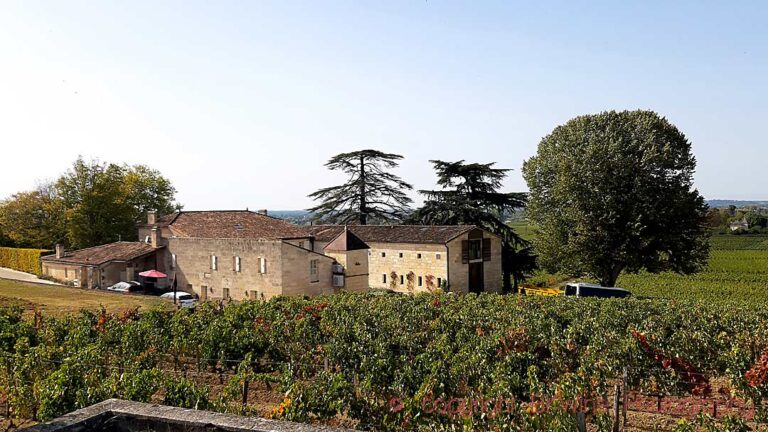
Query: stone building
point(100, 266)
point(410, 258)
point(250, 255)
point(238, 255)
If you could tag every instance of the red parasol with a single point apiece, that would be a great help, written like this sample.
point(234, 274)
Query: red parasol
point(153, 274)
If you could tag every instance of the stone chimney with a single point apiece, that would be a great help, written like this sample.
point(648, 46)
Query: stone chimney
point(151, 217)
point(59, 251)
point(154, 237)
point(262, 211)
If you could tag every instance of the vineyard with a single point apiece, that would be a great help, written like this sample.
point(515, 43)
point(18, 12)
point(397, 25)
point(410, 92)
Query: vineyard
point(737, 273)
point(390, 362)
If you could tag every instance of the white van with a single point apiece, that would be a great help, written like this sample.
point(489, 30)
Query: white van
point(592, 290)
point(184, 299)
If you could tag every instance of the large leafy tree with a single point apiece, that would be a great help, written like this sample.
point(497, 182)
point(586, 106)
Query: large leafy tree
point(614, 192)
point(470, 195)
point(372, 192)
point(105, 201)
point(34, 219)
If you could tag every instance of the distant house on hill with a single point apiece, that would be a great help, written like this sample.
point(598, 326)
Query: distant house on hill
point(250, 255)
point(739, 225)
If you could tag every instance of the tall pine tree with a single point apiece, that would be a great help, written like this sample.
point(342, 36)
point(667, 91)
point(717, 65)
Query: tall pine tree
point(470, 195)
point(372, 193)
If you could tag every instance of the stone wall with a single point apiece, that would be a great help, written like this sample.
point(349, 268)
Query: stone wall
point(402, 258)
point(355, 263)
point(459, 272)
point(287, 268)
point(296, 276)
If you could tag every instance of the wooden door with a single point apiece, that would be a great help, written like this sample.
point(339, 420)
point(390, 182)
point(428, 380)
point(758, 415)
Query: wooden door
point(476, 277)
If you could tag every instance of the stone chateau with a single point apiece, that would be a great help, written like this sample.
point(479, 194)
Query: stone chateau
point(250, 255)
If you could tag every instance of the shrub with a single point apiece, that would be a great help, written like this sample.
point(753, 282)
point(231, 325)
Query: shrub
point(25, 260)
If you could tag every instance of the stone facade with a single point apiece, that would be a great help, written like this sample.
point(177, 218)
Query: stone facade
point(404, 258)
point(267, 268)
point(458, 278)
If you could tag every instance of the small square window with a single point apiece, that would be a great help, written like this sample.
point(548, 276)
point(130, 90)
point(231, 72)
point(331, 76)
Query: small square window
point(401, 254)
point(437, 256)
point(383, 254)
point(439, 283)
point(418, 256)
point(420, 281)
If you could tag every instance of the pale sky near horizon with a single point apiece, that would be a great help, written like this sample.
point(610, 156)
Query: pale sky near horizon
point(241, 103)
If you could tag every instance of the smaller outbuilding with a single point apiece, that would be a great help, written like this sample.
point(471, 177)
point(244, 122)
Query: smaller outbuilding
point(100, 266)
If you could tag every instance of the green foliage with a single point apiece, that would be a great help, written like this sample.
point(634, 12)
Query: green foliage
point(471, 196)
point(91, 204)
point(362, 356)
point(372, 193)
point(34, 219)
point(25, 260)
point(612, 193)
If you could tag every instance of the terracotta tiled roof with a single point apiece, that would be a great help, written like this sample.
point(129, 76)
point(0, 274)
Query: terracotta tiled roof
point(97, 255)
point(230, 224)
point(393, 233)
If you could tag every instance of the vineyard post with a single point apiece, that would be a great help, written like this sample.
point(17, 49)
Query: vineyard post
point(616, 401)
point(245, 392)
point(581, 421)
point(626, 397)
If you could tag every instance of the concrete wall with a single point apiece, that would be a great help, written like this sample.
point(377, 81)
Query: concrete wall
point(459, 272)
point(428, 264)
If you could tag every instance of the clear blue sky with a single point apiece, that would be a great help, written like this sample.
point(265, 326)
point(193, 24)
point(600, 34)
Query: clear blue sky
point(240, 103)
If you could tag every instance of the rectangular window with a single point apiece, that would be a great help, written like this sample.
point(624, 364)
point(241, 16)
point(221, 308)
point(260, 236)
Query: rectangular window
point(419, 280)
point(439, 283)
point(253, 295)
point(173, 261)
point(401, 254)
point(214, 262)
point(314, 276)
point(384, 278)
point(262, 265)
point(401, 279)
point(237, 264)
point(475, 250)
point(225, 293)
point(437, 256)
point(418, 256)
point(383, 254)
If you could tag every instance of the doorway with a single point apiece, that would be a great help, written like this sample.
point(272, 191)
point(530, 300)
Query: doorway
point(476, 277)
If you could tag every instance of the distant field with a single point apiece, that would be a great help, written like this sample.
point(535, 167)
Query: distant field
point(737, 271)
point(62, 300)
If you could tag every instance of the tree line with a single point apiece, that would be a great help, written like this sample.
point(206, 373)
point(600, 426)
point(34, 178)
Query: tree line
point(91, 204)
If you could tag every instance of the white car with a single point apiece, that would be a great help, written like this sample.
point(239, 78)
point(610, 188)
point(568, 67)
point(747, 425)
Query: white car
point(184, 299)
point(126, 287)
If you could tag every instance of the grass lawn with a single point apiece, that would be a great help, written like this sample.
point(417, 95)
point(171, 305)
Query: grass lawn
point(61, 300)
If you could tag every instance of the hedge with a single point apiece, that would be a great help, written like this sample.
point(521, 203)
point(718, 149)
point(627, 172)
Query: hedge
point(26, 260)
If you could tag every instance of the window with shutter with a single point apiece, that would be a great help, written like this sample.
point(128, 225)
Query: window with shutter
point(237, 264)
point(465, 251)
point(486, 249)
point(262, 265)
point(214, 262)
